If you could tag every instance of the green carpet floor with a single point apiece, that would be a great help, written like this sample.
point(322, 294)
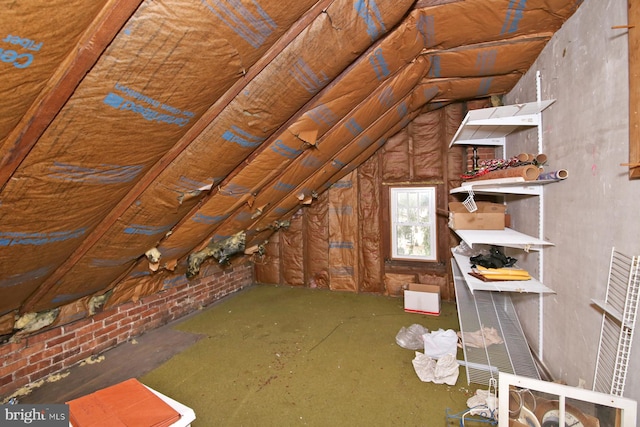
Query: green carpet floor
point(280, 356)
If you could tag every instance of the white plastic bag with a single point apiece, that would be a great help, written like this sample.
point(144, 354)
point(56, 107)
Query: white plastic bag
point(439, 343)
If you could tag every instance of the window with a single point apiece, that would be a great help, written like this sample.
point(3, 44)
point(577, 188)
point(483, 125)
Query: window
point(413, 223)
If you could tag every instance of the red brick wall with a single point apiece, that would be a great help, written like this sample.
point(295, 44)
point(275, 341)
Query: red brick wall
point(57, 349)
point(484, 153)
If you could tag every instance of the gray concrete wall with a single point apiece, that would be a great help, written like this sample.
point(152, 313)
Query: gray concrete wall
point(585, 69)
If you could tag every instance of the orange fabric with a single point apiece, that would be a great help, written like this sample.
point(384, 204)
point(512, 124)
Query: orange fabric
point(127, 404)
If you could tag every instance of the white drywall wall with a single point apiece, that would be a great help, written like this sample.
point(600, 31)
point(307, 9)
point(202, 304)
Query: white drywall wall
point(585, 69)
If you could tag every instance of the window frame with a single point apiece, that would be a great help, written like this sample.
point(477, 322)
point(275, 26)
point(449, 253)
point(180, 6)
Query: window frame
point(432, 192)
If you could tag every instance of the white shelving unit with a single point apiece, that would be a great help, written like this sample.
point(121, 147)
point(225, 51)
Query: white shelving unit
point(479, 305)
point(494, 310)
point(490, 126)
point(619, 311)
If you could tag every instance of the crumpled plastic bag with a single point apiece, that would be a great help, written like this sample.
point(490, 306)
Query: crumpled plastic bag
point(439, 343)
point(443, 371)
point(411, 337)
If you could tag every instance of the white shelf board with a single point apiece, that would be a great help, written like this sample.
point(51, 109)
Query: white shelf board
point(520, 286)
point(610, 310)
point(490, 126)
point(516, 185)
point(506, 237)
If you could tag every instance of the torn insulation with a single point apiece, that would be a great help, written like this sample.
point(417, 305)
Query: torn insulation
point(221, 251)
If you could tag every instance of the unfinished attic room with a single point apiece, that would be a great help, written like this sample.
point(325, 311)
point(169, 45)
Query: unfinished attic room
point(319, 213)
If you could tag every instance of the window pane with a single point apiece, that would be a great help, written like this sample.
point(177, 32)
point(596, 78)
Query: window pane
point(414, 240)
point(413, 219)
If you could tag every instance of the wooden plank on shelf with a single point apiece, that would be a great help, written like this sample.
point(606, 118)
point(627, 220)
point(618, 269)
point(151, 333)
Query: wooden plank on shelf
point(633, 31)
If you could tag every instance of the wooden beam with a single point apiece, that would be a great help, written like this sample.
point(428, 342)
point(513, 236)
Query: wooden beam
point(633, 15)
point(62, 84)
point(174, 152)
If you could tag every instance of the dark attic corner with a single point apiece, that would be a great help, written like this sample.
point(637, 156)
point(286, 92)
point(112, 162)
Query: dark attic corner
point(158, 157)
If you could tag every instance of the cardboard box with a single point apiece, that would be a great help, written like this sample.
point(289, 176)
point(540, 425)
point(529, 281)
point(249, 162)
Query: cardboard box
point(424, 299)
point(489, 216)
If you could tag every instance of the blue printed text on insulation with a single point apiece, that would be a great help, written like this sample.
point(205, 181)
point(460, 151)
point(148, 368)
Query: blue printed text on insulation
point(427, 29)
point(513, 16)
point(209, 219)
point(370, 14)
point(353, 126)
point(234, 190)
point(126, 99)
point(174, 282)
point(242, 138)
point(70, 297)
point(342, 210)
point(280, 210)
point(343, 184)
point(283, 186)
point(485, 86)
point(135, 274)
point(103, 174)
point(17, 56)
point(402, 109)
point(341, 271)
point(311, 162)
point(430, 92)
point(242, 217)
point(323, 115)
point(8, 238)
point(281, 148)
point(148, 230)
point(379, 65)
point(386, 97)
point(341, 245)
point(364, 142)
point(486, 61)
point(307, 78)
point(434, 68)
point(187, 184)
point(254, 29)
point(20, 278)
point(336, 163)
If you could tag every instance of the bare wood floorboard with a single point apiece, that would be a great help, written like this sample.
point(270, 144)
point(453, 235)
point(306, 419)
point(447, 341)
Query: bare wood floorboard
point(128, 360)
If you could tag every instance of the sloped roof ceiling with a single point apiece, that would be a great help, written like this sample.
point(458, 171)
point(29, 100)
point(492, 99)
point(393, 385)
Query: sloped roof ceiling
point(129, 125)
